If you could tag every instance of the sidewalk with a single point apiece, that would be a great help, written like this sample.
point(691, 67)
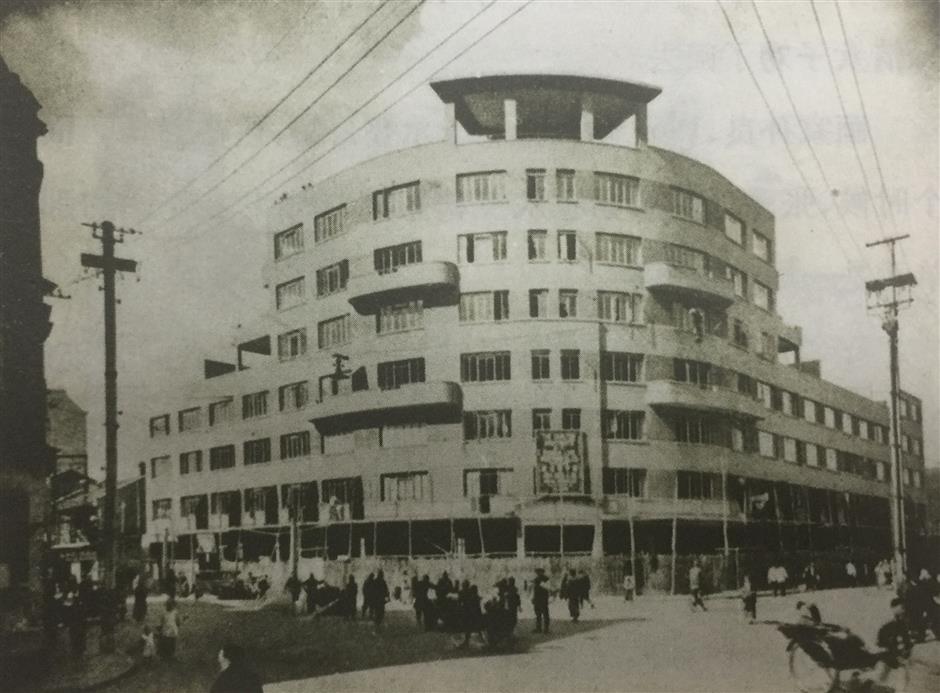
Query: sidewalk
point(88, 673)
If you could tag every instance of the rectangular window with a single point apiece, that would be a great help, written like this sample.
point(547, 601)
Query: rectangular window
point(485, 186)
point(863, 431)
point(570, 364)
point(221, 411)
point(614, 189)
point(568, 245)
point(291, 345)
point(767, 346)
point(190, 419)
point(404, 435)
point(734, 229)
point(567, 303)
point(765, 394)
point(697, 429)
point(786, 403)
point(738, 280)
point(261, 505)
point(832, 460)
point(812, 454)
point(880, 473)
point(846, 423)
point(289, 294)
point(541, 420)
point(390, 258)
point(761, 247)
point(194, 511)
point(486, 482)
point(410, 486)
point(625, 482)
point(295, 445)
point(789, 450)
point(571, 419)
point(333, 332)
point(160, 425)
point(294, 396)
point(695, 372)
point(829, 417)
point(766, 445)
point(255, 404)
point(396, 201)
point(740, 334)
point(484, 366)
point(329, 224)
point(338, 443)
point(393, 374)
point(160, 466)
point(257, 451)
point(747, 385)
point(400, 317)
point(162, 508)
point(191, 462)
point(623, 425)
point(762, 296)
point(621, 367)
point(617, 249)
point(619, 306)
point(332, 278)
point(541, 364)
point(222, 457)
point(565, 186)
point(538, 303)
point(697, 485)
point(484, 306)
point(537, 241)
point(878, 432)
point(289, 242)
point(535, 184)
point(484, 425)
point(688, 206)
point(489, 246)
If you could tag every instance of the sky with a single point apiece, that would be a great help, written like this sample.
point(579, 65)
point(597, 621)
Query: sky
point(142, 97)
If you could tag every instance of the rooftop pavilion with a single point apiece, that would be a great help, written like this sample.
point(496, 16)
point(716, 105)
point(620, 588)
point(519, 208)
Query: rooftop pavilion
point(546, 106)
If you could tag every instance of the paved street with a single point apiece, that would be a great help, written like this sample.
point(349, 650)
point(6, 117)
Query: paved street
point(652, 645)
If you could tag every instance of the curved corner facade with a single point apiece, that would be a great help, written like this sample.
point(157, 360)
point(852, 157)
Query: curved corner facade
point(533, 343)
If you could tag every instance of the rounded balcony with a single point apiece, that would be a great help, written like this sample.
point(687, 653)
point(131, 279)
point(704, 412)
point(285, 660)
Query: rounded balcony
point(679, 280)
point(711, 398)
point(433, 283)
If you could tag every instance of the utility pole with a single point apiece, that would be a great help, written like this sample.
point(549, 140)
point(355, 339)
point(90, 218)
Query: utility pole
point(891, 326)
point(109, 266)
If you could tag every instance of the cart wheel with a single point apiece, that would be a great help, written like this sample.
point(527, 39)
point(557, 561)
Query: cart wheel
point(809, 675)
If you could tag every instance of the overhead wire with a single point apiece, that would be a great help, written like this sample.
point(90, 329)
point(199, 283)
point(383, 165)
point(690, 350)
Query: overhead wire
point(269, 112)
point(242, 202)
point(806, 138)
point(306, 110)
point(783, 137)
point(845, 118)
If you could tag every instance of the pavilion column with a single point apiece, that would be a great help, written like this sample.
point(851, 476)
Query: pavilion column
point(641, 126)
point(587, 119)
point(509, 118)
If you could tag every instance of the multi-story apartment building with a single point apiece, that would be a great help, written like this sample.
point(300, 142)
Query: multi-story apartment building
point(527, 339)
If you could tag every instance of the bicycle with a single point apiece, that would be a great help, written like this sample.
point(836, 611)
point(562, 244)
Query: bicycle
point(827, 658)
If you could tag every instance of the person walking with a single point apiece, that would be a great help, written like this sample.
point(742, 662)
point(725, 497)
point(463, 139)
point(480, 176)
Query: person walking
point(169, 629)
point(540, 601)
point(585, 588)
point(349, 599)
point(513, 602)
point(749, 599)
point(420, 594)
point(140, 599)
point(234, 674)
point(695, 585)
point(380, 597)
point(571, 592)
point(367, 587)
point(470, 612)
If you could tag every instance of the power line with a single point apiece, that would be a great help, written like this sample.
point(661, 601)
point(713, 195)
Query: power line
point(786, 142)
point(306, 109)
point(871, 138)
point(267, 114)
point(809, 144)
point(845, 118)
point(463, 51)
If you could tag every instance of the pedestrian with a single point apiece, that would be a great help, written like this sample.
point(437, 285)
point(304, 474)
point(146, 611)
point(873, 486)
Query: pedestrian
point(235, 676)
point(419, 593)
point(367, 597)
point(140, 599)
point(349, 598)
point(513, 602)
point(380, 597)
point(75, 617)
point(148, 646)
point(749, 599)
point(777, 579)
point(294, 588)
point(310, 589)
point(810, 577)
point(695, 585)
point(851, 574)
point(169, 586)
point(540, 601)
point(571, 592)
point(169, 629)
point(585, 588)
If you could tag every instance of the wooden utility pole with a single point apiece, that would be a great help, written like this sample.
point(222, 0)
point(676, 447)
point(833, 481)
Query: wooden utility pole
point(109, 266)
point(890, 324)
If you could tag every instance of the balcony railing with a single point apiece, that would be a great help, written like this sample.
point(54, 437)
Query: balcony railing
point(434, 283)
point(691, 282)
point(370, 408)
point(713, 398)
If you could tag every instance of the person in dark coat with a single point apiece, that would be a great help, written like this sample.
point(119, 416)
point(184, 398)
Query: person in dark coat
point(140, 599)
point(169, 586)
point(571, 591)
point(470, 612)
point(540, 601)
point(513, 601)
point(443, 587)
point(310, 588)
point(349, 599)
point(367, 594)
point(235, 675)
point(380, 596)
point(420, 591)
point(585, 588)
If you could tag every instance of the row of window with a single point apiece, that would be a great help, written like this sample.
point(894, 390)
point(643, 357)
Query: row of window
point(494, 424)
point(490, 186)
